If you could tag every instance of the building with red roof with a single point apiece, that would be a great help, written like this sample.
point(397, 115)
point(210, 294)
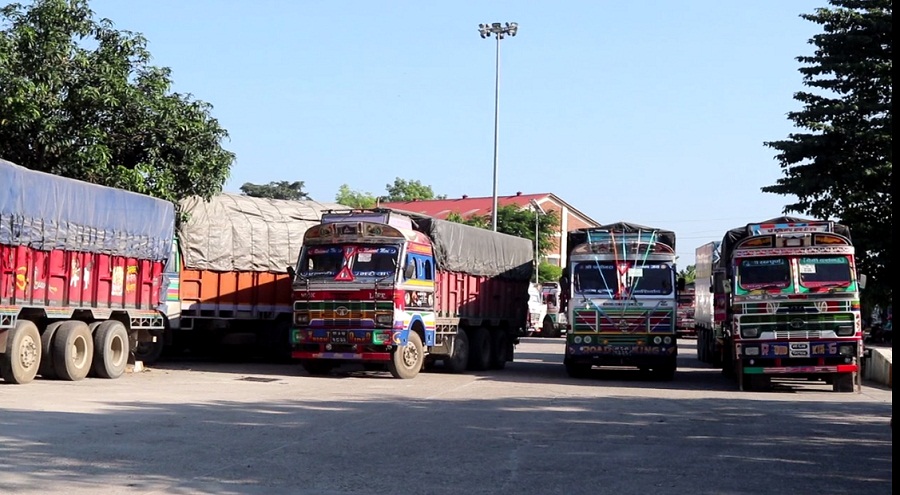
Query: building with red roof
point(570, 217)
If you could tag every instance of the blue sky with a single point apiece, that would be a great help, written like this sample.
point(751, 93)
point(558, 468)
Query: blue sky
point(651, 111)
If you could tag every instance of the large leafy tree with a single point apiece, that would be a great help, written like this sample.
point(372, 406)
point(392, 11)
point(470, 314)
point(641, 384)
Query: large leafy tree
point(353, 198)
point(840, 166)
point(409, 190)
point(517, 221)
point(276, 190)
point(79, 98)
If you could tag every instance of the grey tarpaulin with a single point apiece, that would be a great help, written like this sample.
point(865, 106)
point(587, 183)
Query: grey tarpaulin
point(466, 249)
point(46, 212)
point(241, 233)
point(579, 236)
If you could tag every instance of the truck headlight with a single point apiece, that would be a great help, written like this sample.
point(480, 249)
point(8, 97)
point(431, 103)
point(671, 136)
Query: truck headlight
point(845, 330)
point(386, 319)
point(751, 351)
point(301, 318)
point(750, 332)
point(845, 350)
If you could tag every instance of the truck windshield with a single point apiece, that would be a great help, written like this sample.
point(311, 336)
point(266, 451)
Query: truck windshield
point(824, 272)
point(347, 262)
point(764, 273)
point(593, 277)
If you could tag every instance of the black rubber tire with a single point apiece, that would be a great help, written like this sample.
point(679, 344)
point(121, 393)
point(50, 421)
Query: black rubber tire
point(479, 349)
point(111, 349)
point(22, 357)
point(843, 382)
point(499, 349)
point(47, 370)
point(148, 352)
point(73, 350)
point(406, 361)
point(459, 361)
point(317, 367)
point(578, 370)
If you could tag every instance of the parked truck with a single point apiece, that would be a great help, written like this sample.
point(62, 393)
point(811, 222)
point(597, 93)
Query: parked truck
point(81, 275)
point(554, 323)
point(229, 291)
point(400, 291)
point(684, 315)
point(792, 306)
point(709, 304)
point(620, 291)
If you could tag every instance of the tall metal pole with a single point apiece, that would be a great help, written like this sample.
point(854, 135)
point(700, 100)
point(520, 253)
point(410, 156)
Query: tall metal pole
point(537, 253)
point(499, 31)
point(496, 133)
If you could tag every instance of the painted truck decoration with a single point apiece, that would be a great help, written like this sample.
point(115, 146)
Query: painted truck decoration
point(81, 275)
point(385, 289)
point(792, 305)
point(621, 291)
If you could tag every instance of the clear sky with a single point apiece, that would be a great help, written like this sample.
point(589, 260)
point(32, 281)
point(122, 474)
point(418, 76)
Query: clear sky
point(648, 111)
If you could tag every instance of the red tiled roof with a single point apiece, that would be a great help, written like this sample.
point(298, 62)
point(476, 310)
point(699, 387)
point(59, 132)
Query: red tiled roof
point(466, 207)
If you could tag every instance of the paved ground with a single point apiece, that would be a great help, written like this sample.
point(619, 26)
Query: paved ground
point(220, 428)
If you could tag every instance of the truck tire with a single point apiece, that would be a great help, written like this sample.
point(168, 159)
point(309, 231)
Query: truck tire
point(499, 349)
point(479, 349)
point(842, 382)
point(148, 352)
point(317, 367)
point(47, 370)
point(73, 350)
point(406, 361)
point(22, 357)
point(459, 360)
point(578, 370)
point(110, 349)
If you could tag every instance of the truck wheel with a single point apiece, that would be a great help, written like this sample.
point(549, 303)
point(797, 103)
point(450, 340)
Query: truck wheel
point(842, 382)
point(148, 352)
point(549, 329)
point(22, 357)
point(47, 370)
point(479, 349)
point(73, 350)
point(499, 350)
point(458, 361)
point(317, 368)
point(406, 361)
point(578, 370)
point(110, 349)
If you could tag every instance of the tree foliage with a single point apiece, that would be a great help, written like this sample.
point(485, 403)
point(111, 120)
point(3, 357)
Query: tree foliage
point(688, 273)
point(841, 166)
point(409, 190)
point(276, 190)
point(353, 198)
point(79, 98)
point(517, 221)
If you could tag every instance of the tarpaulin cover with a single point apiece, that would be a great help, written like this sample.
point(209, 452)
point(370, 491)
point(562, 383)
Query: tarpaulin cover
point(47, 212)
point(735, 235)
point(466, 249)
point(241, 233)
point(663, 236)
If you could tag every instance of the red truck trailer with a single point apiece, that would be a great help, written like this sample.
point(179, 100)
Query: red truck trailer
point(229, 291)
point(397, 290)
point(81, 275)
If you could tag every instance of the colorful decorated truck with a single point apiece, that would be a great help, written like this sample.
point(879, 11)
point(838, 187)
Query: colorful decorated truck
point(709, 304)
point(620, 287)
point(229, 290)
point(400, 291)
point(81, 275)
point(793, 303)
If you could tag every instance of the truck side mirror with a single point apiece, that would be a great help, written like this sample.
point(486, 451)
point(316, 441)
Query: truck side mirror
point(681, 284)
point(862, 281)
point(409, 272)
point(291, 272)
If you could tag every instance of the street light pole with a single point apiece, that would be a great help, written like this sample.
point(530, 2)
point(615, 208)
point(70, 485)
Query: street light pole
point(499, 31)
point(538, 211)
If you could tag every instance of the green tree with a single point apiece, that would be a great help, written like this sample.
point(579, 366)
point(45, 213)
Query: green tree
point(689, 274)
point(276, 190)
point(548, 272)
point(841, 167)
point(517, 221)
point(409, 190)
point(80, 99)
point(354, 199)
